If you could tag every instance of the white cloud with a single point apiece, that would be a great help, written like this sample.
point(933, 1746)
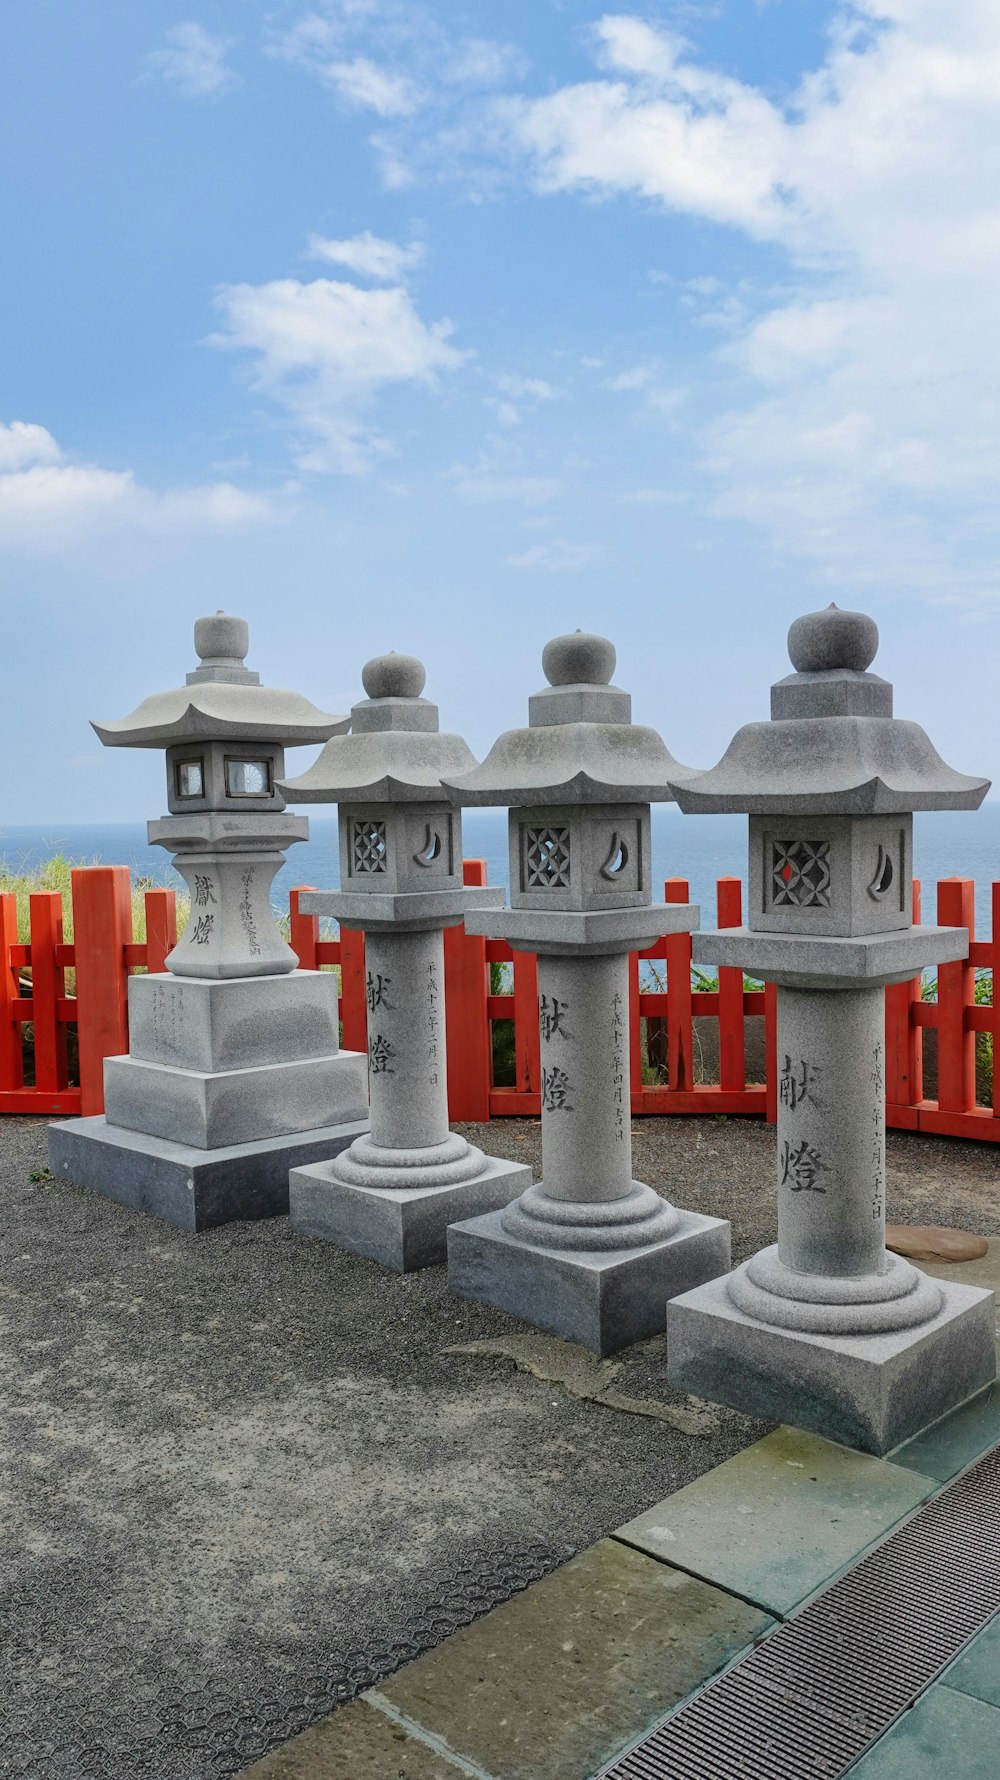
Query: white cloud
point(863, 423)
point(628, 381)
point(557, 557)
point(194, 61)
point(482, 62)
point(325, 349)
point(369, 256)
point(527, 388)
point(48, 503)
point(363, 83)
point(318, 44)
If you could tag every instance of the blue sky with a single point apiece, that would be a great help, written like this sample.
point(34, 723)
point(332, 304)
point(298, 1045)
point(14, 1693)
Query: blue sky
point(394, 324)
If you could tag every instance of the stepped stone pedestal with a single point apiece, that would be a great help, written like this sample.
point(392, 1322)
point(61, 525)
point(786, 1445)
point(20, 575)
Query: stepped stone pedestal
point(234, 1073)
point(827, 1330)
point(392, 1195)
point(589, 1253)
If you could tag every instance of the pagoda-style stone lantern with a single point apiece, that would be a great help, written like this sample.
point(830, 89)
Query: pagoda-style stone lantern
point(234, 1070)
point(392, 1195)
point(827, 1330)
point(589, 1253)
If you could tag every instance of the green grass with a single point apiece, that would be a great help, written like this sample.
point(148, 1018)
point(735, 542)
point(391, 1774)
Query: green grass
point(57, 874)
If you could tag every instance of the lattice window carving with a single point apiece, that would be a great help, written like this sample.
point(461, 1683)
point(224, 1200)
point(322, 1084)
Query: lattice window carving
point(546, 858)
point(800, 875)
point(368, 848)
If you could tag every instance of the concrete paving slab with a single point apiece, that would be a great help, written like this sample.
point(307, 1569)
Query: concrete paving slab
point(945, 1733)
point(777, 1521)
point(948, 1445)
point(977, 1670)
point(983, 1272)
point(357, 1743)
point(561, 1679)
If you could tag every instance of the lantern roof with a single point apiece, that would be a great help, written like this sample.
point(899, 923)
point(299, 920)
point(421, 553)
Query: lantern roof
point(832, 744)
point(221, 700)
point(580, 746)
point(395, 752)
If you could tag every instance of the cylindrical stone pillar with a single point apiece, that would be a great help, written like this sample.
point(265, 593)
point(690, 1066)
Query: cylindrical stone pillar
point(831, 1131)
point(404, 985)
point(583, 1032)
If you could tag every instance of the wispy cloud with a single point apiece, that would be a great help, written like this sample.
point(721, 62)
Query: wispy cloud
point(325, 349)
point(369, 256)
point(863, 425)
point(49, 503)
point(529, 491)
point(557, 556)
point(194, 61)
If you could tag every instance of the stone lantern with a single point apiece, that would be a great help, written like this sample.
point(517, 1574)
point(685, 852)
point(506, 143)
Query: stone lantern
point(827, 1330)
point(392, 1195)
point(588, 1253)
point(234, 1070)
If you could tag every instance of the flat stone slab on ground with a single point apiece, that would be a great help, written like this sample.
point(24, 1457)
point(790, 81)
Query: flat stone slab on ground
point(779, 1520)
point(555, 1683)
point(948, 1445)
point(604, 1299)
point(866, 1391)
point(192, 1188)
point(932, 1242)
point(357, 1743)
point(399, 1227)
point(977, 1670)
point(945, 1733)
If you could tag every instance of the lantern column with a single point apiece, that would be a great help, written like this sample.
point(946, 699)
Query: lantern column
point(588, 1253)
point(234, 1071)
point(392, 1195)
point(828, 1330)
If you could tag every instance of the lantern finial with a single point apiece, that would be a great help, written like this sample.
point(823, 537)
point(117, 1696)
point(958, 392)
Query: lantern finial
point(823, 642)
point(394, 676)
point(579, 659)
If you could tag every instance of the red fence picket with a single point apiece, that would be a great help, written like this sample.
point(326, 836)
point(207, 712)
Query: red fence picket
point(696, 1014)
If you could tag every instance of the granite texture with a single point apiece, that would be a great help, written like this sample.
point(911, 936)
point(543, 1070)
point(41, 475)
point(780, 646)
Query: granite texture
point(195, 1189)
point(817, 962)
point(412, 911)
point(584, 933)
point(210, 1111)
point(603, 1298)
point(400, 1227)
point(872, 1392)
point(236, 1023)
point(778, 1521)
point(960, 1437)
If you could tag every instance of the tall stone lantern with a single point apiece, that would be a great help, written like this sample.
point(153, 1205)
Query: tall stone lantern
point(234, 1071)
point(588, 1253)
point(828, 1330)
point(392, 1195)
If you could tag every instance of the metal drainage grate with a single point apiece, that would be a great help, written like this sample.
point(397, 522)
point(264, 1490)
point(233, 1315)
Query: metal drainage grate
point(814, 1694)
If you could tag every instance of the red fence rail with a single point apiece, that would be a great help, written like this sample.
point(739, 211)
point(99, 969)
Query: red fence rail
point(673, 1020)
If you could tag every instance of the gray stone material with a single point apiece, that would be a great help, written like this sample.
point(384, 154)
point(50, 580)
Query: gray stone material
point(868, 1391)
point(589, 1253)
point(587, 933)
point(828, 1330)
point(817, 962)
point(603, 1298)
point(412, 912)
point(192, 1188)
point(401, 1227)
point(233, 1048)
point(215, 1110)
point(580, 746)
point(234, 1023)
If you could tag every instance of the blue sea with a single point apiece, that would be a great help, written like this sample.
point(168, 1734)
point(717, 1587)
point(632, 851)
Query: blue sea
point(699, 848)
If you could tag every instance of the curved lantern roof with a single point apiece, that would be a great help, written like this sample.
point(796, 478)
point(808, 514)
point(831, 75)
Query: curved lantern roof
point(832, 744)
point(395, 753)
point(221, 700)
point(580, 745)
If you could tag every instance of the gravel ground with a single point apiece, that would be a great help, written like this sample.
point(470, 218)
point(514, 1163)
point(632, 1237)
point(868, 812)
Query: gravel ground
point(244, 1476)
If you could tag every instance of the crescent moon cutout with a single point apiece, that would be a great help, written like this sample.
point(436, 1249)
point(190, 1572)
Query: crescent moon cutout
point(617, 858)
point(882, 880)
point(431, 848)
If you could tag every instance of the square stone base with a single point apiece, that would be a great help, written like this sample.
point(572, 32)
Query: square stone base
point(212, 1110)
point(400, 1227)
point(192, 1188)
point(866, 1391)
point(602, 1298)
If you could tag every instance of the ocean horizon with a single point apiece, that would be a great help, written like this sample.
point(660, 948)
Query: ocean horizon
point(698, 848)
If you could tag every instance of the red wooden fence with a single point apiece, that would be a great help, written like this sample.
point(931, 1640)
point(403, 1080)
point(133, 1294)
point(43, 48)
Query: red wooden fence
point(663, 996)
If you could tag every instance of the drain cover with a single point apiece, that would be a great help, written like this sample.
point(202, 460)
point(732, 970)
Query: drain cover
point(814, 1694)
